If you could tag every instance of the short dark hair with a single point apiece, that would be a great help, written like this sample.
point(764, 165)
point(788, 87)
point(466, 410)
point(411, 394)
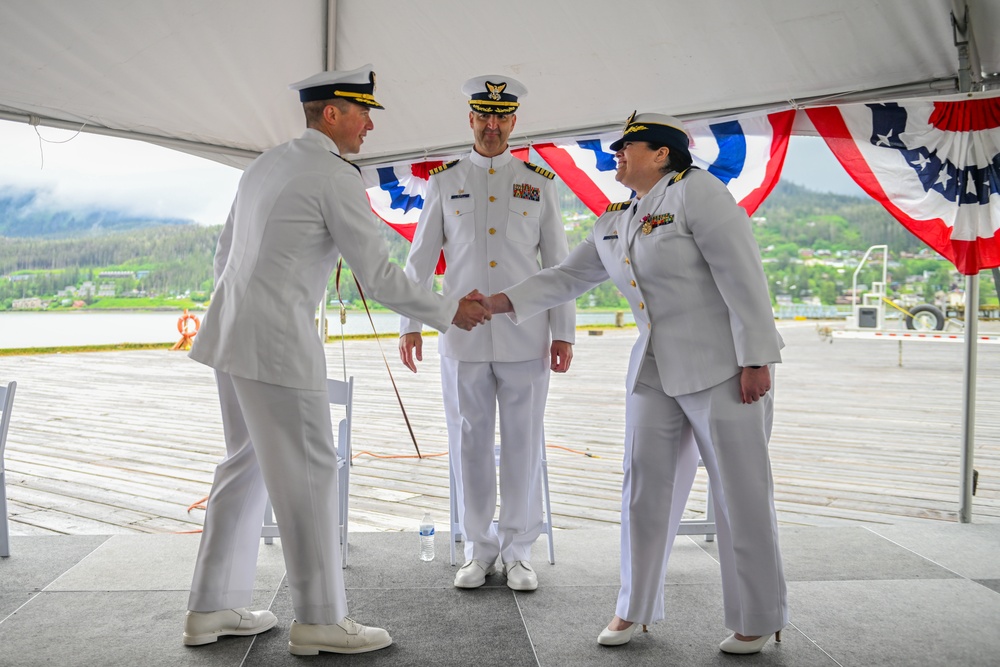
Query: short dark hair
point(314, 110)
point(677, 160)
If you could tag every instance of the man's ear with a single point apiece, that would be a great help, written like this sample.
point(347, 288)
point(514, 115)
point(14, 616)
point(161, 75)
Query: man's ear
point(330, 113)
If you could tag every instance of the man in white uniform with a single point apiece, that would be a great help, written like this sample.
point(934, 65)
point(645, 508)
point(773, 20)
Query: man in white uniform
point(299, 207)
point(497, 220)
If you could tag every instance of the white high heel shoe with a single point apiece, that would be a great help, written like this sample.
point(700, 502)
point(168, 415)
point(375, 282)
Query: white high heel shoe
point(742, 647)
point(609, 637)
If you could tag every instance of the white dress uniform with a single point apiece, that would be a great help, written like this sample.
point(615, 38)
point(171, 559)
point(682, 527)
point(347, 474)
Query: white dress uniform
point(299, 207)
point(697, 290)
point(497, 221)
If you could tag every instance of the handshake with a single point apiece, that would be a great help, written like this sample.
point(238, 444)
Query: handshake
point(475, 308)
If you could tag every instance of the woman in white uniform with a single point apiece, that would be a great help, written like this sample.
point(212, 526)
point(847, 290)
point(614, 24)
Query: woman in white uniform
point(683, 254)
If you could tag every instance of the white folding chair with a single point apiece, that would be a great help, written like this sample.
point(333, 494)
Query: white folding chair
point(704, 526)
point(456, 529)
point(6, 403)
point(341, 393)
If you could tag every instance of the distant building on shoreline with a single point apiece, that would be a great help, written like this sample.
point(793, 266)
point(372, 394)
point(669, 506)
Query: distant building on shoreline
point(30, 303)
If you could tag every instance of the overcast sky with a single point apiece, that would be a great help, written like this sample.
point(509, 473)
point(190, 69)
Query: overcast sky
point(89, 170)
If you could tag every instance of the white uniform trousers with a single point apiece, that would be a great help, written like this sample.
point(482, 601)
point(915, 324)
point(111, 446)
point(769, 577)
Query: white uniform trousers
point(280, 439)
point(660, 463)
point(472, 392)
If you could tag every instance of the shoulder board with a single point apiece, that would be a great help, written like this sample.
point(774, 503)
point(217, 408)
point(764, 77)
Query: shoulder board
point(682, 175)
point(446, 165)
point(544, 172)
point(618, 206)
point(348, 162)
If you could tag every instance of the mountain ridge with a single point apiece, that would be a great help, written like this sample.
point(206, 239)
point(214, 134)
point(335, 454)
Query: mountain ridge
point(24, 215)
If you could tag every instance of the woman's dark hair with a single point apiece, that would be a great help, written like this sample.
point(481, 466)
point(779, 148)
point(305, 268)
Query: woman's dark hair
point(678, 160)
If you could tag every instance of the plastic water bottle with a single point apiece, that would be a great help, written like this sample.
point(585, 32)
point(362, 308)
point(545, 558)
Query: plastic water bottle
point(427, 537)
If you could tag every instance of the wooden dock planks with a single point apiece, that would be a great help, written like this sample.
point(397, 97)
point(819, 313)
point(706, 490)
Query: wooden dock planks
point(114, 442)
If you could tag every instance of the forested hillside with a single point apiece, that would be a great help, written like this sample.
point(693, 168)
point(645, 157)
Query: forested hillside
point(810, 243)
point(807, 219)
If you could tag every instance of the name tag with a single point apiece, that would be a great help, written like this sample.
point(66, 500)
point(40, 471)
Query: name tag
point(610, 236)
point(460, 196)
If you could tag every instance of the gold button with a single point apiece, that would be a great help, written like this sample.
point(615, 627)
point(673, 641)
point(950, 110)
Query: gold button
point(648, 325)
point(491, 171)
point(642, 306)
point(633, 283)
point(492, 198)
point(458, 212)
point(626, 261)
point(492, 264)
point(526, 213)
point(492, 230)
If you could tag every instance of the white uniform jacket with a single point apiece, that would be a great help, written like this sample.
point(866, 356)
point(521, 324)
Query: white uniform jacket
point(298, 208)
point(498, 222)
point(694, 282)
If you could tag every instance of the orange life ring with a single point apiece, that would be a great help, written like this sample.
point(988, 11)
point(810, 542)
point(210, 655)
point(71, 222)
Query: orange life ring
point(182, 325)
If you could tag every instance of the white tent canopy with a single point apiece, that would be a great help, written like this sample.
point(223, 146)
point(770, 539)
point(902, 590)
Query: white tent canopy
point(210, 76)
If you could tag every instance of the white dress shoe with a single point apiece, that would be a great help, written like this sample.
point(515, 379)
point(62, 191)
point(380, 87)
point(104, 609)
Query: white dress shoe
point(520, 576)
point(733, 645)
point(473, 574)
point(206, 627)
point(609, 637)
point(348, 636)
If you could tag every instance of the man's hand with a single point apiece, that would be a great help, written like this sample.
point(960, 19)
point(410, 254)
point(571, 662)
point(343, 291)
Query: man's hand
point(495, 303)
point(561, 354)
point(411, 349)
point(471, 311)
point(754, 383)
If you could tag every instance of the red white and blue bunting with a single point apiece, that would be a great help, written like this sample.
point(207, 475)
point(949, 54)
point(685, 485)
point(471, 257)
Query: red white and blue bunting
point(933, 164)
point(746, 153)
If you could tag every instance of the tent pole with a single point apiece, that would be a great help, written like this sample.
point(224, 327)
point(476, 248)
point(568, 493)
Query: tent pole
point(969, 394)
point(331, 35)
point(969, 72)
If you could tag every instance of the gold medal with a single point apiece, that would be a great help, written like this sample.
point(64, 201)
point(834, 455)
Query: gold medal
point(647, 227)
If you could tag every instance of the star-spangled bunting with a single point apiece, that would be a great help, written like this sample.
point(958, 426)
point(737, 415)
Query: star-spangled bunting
point(746, 153)
point(933, 164)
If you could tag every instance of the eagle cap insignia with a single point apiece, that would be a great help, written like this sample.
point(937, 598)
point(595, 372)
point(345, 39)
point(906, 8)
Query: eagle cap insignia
point(373, 82)
point(495, 90)
point(630, 119)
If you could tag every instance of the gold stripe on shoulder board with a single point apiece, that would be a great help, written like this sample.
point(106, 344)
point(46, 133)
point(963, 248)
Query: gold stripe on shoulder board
point(618, 206)
point(438, 170)
point(544, 172)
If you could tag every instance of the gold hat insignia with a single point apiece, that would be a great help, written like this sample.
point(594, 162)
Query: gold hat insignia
point(495, 90)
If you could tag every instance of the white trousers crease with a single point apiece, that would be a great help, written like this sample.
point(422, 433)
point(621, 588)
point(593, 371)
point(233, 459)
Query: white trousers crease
point(660, 462)
point(279, 442)
point(472, 393)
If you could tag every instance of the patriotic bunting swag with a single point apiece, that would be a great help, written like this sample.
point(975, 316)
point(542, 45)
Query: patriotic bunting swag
point(745, 153)
point(934, 165)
